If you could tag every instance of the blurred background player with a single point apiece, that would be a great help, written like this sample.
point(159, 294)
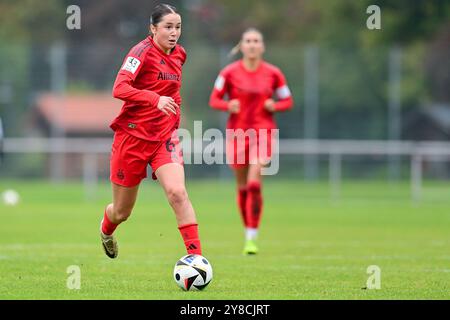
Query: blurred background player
point(250, 84)
point(149, 83)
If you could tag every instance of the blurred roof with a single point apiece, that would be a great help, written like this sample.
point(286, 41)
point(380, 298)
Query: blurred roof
point(440, 113)
point(430, 122)
point(79, 112)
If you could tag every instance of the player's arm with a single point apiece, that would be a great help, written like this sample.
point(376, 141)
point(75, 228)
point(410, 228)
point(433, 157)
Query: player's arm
point(284, 97)
point(123, 88)
point(216, 100)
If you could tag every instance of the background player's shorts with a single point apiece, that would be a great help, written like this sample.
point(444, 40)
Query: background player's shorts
point(249, 149)
point(130, 157)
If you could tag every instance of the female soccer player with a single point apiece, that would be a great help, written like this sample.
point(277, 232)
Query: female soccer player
point(149, 83)
point(250, 84)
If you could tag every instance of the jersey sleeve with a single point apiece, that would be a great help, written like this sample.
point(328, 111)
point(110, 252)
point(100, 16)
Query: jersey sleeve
point(123, 86)
point(216, 100)
point(183, 55)
point(282, 92)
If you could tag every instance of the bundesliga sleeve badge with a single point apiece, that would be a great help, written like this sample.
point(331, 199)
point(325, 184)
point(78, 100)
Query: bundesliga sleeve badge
point(131, 64)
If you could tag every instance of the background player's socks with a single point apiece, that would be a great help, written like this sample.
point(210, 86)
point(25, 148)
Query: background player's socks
point(189, 232)
point(242, 203)
point(254, 204)
point(107, 226)
point(251, 233)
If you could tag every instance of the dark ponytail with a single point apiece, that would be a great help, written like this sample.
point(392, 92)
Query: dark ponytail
point(160, 11)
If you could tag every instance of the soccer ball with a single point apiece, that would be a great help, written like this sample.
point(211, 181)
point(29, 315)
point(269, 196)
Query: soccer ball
point(10, 197)
point(192, 272)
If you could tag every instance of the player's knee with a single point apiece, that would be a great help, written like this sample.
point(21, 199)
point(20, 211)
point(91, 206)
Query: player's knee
point(254, 186)
point(121, 214)
point(177, 195)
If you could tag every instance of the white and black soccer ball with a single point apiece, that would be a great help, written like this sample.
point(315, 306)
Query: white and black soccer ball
point(192, 272)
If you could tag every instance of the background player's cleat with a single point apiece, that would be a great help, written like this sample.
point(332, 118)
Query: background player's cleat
point(109, 245)
point(250, 247)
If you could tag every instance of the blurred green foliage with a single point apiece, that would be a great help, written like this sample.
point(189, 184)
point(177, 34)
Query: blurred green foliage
point(353, 60)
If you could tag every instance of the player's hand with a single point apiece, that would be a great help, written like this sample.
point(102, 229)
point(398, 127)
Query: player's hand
point(234, 106)
point(167, 104)
point(269, 105)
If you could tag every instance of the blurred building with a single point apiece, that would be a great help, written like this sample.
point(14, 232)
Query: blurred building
point(75, 116)
point(428, 123)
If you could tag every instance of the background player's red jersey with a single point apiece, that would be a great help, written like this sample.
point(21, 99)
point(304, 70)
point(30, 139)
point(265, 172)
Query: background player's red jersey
point(146, 74)
point(252, 89)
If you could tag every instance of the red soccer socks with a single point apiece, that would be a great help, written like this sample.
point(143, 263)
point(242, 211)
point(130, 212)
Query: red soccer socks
point(254, 204)
point(242, 203)
point(189, 232)
point(107, 226)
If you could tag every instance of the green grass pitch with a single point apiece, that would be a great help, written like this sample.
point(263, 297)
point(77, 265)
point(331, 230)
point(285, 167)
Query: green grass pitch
point(311, 247)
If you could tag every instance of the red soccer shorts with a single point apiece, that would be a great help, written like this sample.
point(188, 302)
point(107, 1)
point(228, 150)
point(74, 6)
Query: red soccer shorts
point(252, 147)
point(130, 157)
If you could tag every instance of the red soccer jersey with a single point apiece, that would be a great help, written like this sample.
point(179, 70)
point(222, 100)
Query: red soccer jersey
point(252, 89)
point(146, 74)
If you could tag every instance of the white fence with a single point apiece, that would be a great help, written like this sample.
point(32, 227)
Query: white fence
point(334, 149)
